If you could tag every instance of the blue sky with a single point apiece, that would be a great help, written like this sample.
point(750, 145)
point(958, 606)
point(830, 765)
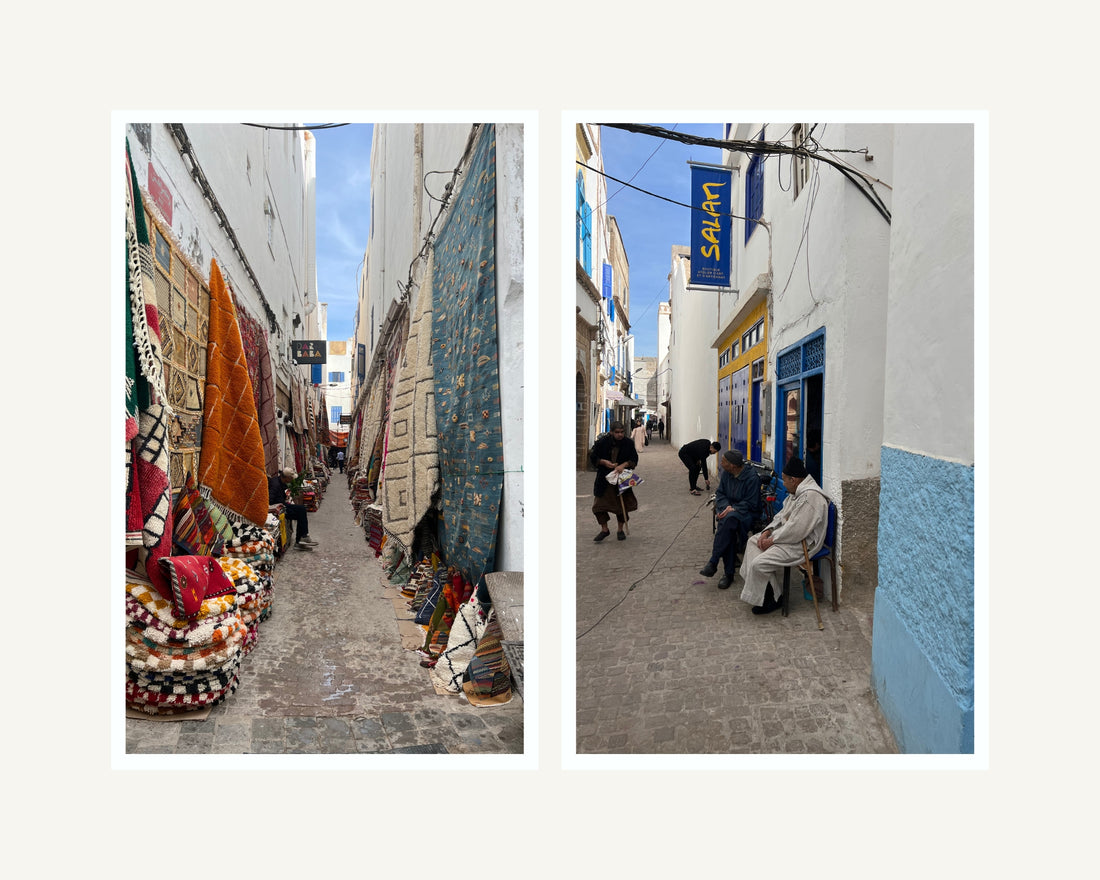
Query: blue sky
point(343, 219)
point(651, 226)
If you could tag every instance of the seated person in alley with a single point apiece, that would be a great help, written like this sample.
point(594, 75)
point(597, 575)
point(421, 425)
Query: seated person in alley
point(804, 516)
point(736, 508)
point(277, 493)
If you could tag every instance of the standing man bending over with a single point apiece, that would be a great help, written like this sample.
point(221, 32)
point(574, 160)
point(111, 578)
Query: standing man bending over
point(804, 516)
point(694, 456)
point(736, 507)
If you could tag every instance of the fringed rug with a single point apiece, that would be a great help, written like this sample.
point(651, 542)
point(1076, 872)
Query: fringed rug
point(148, 487)
point(232, 464)
point(412, 457)
point(467, 383)
point(257, 353)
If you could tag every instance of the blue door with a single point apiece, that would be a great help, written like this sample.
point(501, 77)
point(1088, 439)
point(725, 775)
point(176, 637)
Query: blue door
point(739, 435)
point(724, 412)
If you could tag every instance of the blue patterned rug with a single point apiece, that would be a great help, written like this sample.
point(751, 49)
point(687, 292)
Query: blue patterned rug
point(467, 382)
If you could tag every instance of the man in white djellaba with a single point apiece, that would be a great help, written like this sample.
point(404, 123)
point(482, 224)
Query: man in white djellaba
point(804, 516)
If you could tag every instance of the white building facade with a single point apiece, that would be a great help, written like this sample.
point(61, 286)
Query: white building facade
point(412, 166)
point(243, 196)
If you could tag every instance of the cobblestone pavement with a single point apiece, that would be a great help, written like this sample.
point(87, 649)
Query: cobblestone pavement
point(678, 666)
point(329, 674)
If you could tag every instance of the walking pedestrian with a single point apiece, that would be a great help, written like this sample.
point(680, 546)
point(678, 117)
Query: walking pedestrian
point(638, 436)
point(340, 459)
point(661, 429)
point(613, 452)
point(694, 456)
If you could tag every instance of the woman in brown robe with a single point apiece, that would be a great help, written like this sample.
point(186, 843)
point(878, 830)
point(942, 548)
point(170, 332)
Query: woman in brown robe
point(613, 452)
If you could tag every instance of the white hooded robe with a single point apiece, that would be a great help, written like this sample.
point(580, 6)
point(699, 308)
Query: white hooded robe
point(805, 515)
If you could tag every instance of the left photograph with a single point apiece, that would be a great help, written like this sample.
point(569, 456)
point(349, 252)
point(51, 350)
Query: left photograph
point(323, 469)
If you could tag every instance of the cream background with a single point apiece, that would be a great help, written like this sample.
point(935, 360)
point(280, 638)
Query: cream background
point(69, 66)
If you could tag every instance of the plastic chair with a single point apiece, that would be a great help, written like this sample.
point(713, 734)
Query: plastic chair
point(826, 552)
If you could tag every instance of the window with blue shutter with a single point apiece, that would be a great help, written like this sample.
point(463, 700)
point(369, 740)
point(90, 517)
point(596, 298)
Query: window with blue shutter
point(336, 412)
point(587, 233)
point(315, 374)
point(754, 194)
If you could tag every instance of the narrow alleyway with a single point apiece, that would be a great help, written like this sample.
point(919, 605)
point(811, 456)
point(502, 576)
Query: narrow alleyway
point(674, 665)
point(329, 674)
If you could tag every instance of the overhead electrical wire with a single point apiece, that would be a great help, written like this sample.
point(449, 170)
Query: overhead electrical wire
point(658, 195)
point(319, 127)
point(864, 183)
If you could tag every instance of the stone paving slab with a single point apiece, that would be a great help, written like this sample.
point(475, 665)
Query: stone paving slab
point(331, 673)
point(669, 664)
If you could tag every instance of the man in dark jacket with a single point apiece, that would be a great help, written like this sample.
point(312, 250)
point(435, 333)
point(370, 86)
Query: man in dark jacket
point(694, 456)
point(736, 508)
point(277, 494)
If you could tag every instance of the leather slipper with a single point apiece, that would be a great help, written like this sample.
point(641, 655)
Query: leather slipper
point(601, 536)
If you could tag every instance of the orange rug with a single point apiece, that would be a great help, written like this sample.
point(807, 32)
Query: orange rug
point(231, 467)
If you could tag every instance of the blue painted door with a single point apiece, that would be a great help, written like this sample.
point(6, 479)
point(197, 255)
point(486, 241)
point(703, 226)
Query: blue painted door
point(724, 412)
point(739, 438)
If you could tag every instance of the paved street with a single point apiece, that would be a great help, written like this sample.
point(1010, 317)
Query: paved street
point(669, 664)
point(329, 674)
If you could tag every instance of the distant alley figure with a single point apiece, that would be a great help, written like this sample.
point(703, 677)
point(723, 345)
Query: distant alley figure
point(638, 436)
point(613, 452)
point(661, 428)
point(340, 460)
point(694, 456)
point(804, 516)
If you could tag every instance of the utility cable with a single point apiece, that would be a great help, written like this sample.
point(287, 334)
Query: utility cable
point(323, 125)
point(647, 574)
point(764, 148)
point(666, 198)
point(635, 174)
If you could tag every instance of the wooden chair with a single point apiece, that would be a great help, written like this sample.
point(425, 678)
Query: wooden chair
point(826, 552)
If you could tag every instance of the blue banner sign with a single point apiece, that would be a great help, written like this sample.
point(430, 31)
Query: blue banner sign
point(712, 196)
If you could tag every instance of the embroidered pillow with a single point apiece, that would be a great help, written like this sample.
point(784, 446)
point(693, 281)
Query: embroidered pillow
point(193, 531)
point(193, 579)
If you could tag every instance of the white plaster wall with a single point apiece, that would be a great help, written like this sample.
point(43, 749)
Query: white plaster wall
point(930, 336)
point(834, 230)
point(395, 237)
point(221, 150)
point(510, 348)
point(693, 363)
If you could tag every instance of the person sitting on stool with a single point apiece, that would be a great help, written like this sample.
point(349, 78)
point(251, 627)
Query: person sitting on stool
point(804, 516)
point(736, 508)
point(277, 493)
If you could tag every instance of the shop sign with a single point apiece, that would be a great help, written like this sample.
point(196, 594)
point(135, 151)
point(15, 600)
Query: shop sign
point(308, 351)
point(711, 197)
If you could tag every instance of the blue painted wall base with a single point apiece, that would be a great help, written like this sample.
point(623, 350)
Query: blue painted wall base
point(922, 651)
point(924, 714)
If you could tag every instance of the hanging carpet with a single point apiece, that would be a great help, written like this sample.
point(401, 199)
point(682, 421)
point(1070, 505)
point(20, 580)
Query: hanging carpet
point(412, 457)
point(232, 465)
point(148, 487)
point(467, 384)
point(258, 356)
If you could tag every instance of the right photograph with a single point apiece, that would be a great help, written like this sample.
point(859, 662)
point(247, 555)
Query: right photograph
point(775, 437)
